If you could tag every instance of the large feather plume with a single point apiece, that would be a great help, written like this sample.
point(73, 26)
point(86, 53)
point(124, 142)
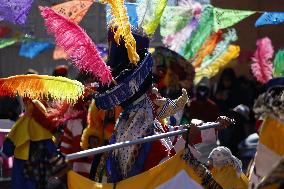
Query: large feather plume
point(78, 45)
point(121, 21)
point(41, 87)
point(262, 66)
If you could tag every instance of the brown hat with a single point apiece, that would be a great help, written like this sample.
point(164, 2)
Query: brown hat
point(61, 70)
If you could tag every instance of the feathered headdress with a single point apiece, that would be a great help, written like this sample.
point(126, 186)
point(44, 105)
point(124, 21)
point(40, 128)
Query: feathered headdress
point(120, 21)
point(41, 86)
point(262, 66)
point(78, 45)
point(279, 64)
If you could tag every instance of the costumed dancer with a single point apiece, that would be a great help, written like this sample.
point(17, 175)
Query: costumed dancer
point(142, 106)
point(75, 121)
point(36, 159)
point(100, 127)
point(270, 149)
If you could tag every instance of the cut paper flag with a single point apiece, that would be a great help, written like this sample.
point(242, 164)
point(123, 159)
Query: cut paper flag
point(224, 18)
point(78, 45)
point(74, 11)
point(278, 64)
point(7, 42)
point(270, 18)
point(174, 19)
point(15, 11)
point(4, 31)
point(149, 14)
point(120, 21)
point(41, 87)
point(231, 53)
point(131, 12)
point(33, 48)
point(262, 66)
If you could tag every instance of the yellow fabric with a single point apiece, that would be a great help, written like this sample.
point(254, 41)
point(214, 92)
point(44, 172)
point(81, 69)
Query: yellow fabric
point(26, 129)
point(227, 177)
point(271, 135)
point(147, 180)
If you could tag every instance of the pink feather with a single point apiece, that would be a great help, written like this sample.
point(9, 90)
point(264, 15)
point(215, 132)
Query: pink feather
point(262, 68)
point(77, 44)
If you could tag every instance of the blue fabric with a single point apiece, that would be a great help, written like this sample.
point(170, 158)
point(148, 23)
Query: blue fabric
point(126, 88)
point(34, 48)
point(131, 11)
point(270, 18)
point(113, 164)
point(18, 179)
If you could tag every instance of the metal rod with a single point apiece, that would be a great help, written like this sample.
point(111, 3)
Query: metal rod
point(107, 148)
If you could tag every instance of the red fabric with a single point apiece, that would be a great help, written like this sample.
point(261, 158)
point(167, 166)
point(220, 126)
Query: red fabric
point(156, 154)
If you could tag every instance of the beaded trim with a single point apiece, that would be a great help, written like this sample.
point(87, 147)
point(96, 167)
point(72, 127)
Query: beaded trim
point(127, 88)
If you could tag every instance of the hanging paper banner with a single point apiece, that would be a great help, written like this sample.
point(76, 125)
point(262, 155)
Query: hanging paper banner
point(15, 11)
point(279, 64)
point(131, 12)
point(4, 30)
point(203, 30)
point(149, 14)
point(270, 18)
point(7, 42)
point(34, 48)
point(73, 10)
point(224, 18)
point(174, 19)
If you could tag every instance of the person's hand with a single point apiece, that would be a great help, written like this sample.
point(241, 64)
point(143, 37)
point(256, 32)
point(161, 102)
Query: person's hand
point(224, 122)
point(194, 132)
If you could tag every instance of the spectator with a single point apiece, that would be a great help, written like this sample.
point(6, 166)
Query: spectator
point(201, 107)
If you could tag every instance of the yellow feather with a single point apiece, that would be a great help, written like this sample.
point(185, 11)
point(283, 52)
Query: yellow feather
point(41, 87)
point(121, 21)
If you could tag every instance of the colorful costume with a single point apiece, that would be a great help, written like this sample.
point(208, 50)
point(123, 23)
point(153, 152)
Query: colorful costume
point(270, 149)
point(227, 169)
point(31, 144)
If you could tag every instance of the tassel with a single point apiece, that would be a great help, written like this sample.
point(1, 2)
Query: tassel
point(41, 87)
point(211, 70)
point(279, 64)
point(77, 44)
point(207, 48)
point(262, 66)
point(121, 21)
